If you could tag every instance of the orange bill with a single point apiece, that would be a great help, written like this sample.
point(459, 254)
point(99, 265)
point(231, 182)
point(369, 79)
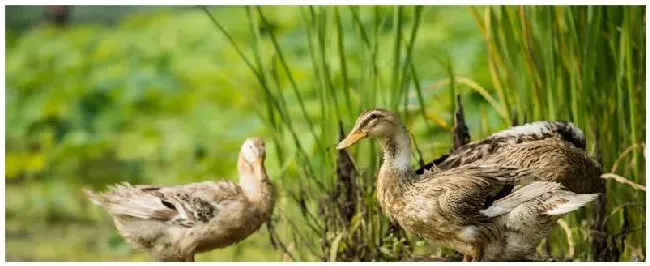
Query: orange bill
point(351, 139)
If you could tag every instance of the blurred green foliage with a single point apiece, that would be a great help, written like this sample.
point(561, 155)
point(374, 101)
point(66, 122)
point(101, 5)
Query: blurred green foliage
point(145, 102)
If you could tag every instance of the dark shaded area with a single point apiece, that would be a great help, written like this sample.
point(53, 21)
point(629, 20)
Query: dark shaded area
point(346, 172)
point(505, 190)
point(599, 228)
point(430, 165)
point(460, 133)
point(58, 15)
point(566, 135)
point(19, 18)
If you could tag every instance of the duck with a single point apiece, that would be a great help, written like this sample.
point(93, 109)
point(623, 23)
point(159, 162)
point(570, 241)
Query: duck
point(174, 223)
point(446, 206)
point(557, 149)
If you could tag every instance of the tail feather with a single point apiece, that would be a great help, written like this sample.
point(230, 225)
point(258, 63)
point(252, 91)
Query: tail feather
point(572, 203)
point(94, 198)
point(519, 196)
point(124, 199)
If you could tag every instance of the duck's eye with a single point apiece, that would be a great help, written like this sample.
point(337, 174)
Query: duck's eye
point(373, 116)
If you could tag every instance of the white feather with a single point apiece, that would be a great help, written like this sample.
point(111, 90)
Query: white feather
point(531, 128)
point(469, 233)
point(403, 161)
point(494, 211)
point(575, 202)
point(520, 196)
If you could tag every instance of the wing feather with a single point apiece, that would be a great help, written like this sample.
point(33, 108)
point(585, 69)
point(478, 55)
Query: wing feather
point(185, 205)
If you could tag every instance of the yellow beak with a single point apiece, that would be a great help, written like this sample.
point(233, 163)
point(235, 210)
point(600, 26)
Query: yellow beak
point(351, 139)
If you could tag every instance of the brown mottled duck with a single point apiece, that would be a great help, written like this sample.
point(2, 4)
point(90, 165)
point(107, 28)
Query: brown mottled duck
point(555, 149)
point(173, 223)
point(448, 206)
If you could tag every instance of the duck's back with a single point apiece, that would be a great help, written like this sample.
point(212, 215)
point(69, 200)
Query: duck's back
point(555, 149)
point(553, 160)
point(496, 142)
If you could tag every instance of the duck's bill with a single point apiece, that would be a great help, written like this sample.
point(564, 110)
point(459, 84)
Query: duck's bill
point(351, 139)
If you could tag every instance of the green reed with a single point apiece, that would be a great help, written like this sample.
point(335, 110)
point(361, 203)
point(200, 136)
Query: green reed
point(581, 64)
point(585, 65)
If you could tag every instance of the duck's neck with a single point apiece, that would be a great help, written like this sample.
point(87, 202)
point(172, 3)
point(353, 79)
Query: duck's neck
point(397, 151)
point(396, 167)
point(257, 187)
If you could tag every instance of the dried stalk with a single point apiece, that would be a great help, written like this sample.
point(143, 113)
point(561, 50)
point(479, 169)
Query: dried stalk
point(622, 180)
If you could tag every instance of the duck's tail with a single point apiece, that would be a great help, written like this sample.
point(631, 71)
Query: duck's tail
point(125, 199)
point(568, 202)
point(548, 197)
point(519, 196)
point(92, 196)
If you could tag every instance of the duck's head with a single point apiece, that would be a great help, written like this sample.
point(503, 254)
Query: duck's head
point(376, 123)
point(251, 159)
point(253, 151)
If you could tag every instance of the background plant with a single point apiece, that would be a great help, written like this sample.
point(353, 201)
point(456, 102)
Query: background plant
point(549, 63)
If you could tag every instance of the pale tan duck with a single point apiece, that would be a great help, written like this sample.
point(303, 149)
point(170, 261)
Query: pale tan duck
point(444, 206)
point(176, 222)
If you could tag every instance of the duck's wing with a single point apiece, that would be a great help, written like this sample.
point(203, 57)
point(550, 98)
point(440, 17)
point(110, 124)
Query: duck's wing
point(460, 194)
point(553, 160)
point(465, 189)
point(185, 205)
point(535, 131)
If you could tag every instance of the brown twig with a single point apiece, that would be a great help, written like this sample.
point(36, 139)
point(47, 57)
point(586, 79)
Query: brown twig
point(460, 133)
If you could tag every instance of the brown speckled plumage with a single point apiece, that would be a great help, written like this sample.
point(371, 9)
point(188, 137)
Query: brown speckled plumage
point(555, 151)
point(445, 205)
point(541, 130)
point(553, 160)
point(176, 222)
